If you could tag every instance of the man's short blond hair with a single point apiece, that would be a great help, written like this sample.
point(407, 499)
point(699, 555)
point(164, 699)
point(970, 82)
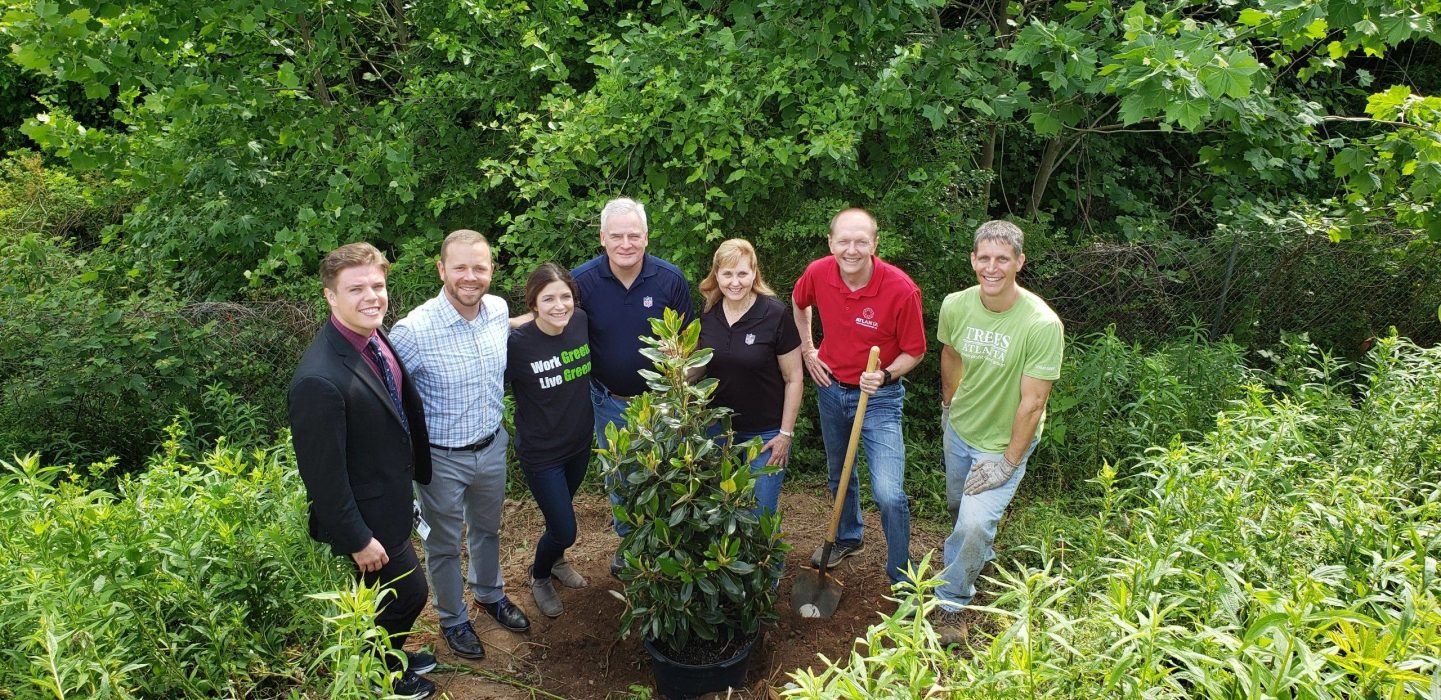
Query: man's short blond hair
point(462, 236)
point(350, 255)
point(1001, 232)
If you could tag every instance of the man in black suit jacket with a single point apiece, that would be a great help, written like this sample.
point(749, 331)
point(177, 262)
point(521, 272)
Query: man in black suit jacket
point(358, 427)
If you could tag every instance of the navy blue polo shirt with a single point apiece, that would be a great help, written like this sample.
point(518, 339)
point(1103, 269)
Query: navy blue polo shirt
point(620, 316)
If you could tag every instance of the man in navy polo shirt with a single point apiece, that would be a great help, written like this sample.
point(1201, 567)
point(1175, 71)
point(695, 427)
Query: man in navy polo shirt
point(621, 290)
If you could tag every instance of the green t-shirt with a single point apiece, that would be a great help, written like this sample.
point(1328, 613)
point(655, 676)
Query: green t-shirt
point(996, 350)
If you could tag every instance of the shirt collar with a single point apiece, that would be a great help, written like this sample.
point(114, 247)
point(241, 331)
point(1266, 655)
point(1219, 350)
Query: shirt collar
point(871, 288)
point(356, 340)
point(449, 316)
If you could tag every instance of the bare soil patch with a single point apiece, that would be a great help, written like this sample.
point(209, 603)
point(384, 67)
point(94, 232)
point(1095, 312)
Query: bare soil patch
point(577, 655)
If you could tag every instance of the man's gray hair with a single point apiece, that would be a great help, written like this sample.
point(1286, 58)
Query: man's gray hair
point(1002, 232)
point(621, 206)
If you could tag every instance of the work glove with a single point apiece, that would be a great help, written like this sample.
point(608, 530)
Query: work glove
point(988, 474)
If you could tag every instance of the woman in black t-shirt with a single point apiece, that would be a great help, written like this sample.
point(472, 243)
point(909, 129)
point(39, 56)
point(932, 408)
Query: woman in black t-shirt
point(757, 359)
point(548, 367)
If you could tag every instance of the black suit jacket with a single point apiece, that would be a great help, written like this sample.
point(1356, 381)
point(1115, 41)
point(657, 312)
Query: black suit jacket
point(354, 455)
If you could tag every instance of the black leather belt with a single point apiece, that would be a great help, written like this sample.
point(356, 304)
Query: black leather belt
point(847, 385)
point(476, 446)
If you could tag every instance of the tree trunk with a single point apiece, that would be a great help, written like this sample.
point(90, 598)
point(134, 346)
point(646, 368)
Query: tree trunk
point(1001, 25)
point(1049, 159)
point(988, 161)
point(397, 14)
point(322, 89)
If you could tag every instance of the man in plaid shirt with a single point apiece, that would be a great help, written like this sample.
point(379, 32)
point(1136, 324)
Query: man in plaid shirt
point(454, 347)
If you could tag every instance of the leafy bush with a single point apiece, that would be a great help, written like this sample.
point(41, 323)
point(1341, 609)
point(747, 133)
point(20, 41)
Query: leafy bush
point(1290, 552)
point(700, 562)
point(1114, 398)
point(93, 356)
point(38, 199)
point(189, 580)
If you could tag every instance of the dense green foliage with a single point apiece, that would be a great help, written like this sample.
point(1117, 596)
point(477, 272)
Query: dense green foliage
point(700, 562)
point(223, 149)
point(192, 579)
point(1289, 552)
point(264, 133)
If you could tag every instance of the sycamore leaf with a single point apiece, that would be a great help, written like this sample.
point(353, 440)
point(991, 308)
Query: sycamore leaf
point(1189, 114)
point(1224, 81)
point(1252, 17)
point(286, 75)
point(1045, 123)
point(1134, 108)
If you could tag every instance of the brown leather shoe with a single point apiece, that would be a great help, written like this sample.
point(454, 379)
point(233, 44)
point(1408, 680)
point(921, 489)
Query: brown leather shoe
point(950, 629)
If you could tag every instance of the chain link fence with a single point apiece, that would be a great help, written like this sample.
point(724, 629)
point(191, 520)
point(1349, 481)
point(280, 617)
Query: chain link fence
point(1248, 287)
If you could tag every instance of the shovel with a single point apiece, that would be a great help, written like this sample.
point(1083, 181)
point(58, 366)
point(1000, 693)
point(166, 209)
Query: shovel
point(818, 596)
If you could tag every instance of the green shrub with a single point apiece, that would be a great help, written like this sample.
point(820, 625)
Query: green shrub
point(35, 198)
point(700, 562)
point(1288, 552)
point(94, 357)
point(189, 580)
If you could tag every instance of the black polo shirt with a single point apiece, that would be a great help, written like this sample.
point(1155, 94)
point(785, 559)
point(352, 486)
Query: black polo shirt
point(746, 361)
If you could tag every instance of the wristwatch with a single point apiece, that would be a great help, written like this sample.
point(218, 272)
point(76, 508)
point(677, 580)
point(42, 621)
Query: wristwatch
point(889, 379)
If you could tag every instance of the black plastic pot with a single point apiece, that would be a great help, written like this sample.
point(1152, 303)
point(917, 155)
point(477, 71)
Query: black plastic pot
point(678, 681)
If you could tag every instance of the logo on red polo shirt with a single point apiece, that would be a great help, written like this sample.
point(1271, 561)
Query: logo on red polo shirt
point(866, 319)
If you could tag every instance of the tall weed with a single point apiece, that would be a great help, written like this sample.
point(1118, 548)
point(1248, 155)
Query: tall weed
point(188, 580)
point(1290, 551)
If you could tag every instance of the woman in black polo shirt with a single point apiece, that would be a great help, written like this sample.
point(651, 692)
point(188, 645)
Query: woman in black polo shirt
point(548, 367)
point(757, 359)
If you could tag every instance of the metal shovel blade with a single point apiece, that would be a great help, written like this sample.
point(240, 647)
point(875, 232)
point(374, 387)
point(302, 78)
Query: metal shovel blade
point(814, 587)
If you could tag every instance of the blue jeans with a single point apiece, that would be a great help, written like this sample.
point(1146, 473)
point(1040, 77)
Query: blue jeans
point(968, 547)
point(554, 488)
point(609, 409)
point(886, 457)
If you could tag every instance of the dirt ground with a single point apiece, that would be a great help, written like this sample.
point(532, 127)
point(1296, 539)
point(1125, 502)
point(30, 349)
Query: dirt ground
point(577, 656)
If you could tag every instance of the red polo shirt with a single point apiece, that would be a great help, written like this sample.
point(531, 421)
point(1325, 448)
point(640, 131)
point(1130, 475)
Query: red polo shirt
point(885, 313)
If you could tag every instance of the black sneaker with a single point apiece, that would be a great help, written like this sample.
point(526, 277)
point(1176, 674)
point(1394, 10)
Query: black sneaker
point(840, 551)
point(413, 687)
point(505, 613)
point(617, 563)
point(463, 642)
point(419, 661)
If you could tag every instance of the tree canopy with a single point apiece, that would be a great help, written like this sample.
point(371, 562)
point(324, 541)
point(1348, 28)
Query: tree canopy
point(260, 133)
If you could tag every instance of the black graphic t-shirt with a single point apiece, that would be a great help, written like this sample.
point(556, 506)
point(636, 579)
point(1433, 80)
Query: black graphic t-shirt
point(550, 376)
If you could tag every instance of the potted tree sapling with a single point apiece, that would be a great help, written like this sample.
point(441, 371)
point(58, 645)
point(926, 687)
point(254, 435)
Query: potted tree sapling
point(700, 561)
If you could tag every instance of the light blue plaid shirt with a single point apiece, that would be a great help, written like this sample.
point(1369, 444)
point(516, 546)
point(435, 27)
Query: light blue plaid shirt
point(457, 365)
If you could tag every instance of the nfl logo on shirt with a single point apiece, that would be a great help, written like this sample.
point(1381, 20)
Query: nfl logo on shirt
point(750, 339)
point(648, 302)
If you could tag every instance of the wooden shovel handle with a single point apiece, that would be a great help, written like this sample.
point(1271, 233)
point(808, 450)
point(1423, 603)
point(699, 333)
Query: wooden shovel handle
point(871, 363)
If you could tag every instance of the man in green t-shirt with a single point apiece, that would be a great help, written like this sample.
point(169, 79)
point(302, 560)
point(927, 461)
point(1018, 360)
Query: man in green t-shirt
point(1000, 351)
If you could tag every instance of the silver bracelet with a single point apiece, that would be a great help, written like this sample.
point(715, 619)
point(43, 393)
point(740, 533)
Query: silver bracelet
point(786, 433)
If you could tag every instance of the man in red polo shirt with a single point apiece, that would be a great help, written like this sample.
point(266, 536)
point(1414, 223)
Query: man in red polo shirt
point(863, 301)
